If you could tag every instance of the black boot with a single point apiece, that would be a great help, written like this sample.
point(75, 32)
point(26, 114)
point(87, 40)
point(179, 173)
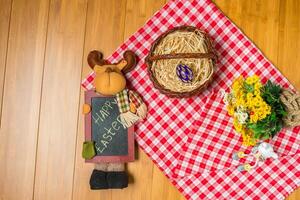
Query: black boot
point(98, 180)
point(117, 180)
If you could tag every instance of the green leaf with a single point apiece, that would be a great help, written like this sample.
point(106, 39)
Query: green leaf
point(267, 127)
point(283, 113)
point(249, 88)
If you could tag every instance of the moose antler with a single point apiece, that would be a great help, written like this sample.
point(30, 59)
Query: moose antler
point(131, 60)
point(96, 58)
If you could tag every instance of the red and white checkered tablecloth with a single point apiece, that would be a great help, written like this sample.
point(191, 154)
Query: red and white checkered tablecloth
point(166, 135)
point(213, 140)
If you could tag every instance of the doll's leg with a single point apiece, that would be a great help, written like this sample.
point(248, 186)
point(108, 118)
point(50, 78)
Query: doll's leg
point(116, 167)
point(98, 178)
point(116, 176)
point(101, 166)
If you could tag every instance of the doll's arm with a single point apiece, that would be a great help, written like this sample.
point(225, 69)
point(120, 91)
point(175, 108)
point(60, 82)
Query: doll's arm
point(86, 109)
point(137, 104)
point(132, 108)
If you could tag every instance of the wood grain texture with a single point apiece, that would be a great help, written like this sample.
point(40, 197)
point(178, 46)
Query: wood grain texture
point(43, 50)
point(289, 41)
point(60, 100)
point(104, 32)
point(255, 17)
point(5, 11)
point(21, 98)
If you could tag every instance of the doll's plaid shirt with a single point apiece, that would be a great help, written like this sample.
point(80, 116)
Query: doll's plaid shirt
point(166, 135)
point(123, 101)
point(126, 97)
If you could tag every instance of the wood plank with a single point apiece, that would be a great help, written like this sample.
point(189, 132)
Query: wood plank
point(162, 188)
point(5, 11)
point(289, 40)
point(60, 100)
point(289, 48)
point(104, 32)
point(272, 24)
point(137, 13)
point(21, 98)
point(259, 20)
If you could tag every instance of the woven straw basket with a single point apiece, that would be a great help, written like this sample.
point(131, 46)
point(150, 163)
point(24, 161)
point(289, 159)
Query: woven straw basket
point(181, 46)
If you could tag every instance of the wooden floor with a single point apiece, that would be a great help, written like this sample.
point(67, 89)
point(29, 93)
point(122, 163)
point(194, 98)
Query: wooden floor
point(43, 49)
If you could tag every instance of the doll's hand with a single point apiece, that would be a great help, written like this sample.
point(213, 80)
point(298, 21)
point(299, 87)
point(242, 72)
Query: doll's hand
point(86, 109)
point(132, 108)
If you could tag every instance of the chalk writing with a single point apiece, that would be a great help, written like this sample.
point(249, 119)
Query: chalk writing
point(109, 134)
point(103, 112)
point(104, 141)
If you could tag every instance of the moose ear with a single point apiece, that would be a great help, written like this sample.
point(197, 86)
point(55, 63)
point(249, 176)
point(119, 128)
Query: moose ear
point(99, 69)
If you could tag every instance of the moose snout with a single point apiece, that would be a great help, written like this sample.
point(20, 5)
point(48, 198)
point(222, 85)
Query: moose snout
point(109, 69)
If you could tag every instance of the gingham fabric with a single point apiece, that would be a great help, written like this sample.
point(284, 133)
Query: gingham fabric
point(123, 101)
point(135, 98)
point(213, 140)
point(275, 180)
point(169, 122)
point(125, 97)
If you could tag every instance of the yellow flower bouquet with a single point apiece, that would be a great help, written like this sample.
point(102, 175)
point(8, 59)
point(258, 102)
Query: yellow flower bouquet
point(257, 109)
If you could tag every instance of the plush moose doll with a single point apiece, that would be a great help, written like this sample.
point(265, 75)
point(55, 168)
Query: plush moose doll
point(110, 81)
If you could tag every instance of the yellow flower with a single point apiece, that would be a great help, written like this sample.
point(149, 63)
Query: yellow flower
point(257, 86)
point(237, 85)
point(249, 80)
point(252, 79)
point(249, 95)
point(253, 118)
point(247, 138)
point(255, 78)
point(251, 103)
point(240, 102)
point(230, 110)
point(237, 126)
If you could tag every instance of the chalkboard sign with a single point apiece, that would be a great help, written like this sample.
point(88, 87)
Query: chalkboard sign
point(113, 141)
